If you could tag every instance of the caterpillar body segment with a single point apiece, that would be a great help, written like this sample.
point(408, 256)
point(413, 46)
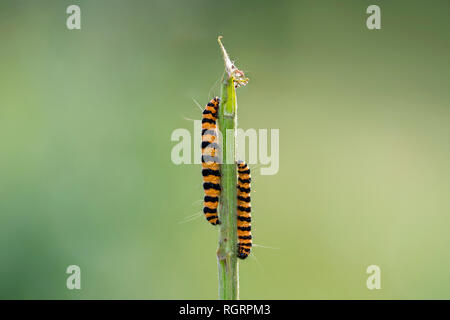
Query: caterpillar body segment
point(244, 216)
point(210, 162)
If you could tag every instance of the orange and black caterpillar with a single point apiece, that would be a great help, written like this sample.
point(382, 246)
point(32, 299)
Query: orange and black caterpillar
point(244, 216)
point(210, 162)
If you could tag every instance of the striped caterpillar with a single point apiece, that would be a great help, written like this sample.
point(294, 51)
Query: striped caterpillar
point(210, 163)
point(211, 181)
point(244, 209)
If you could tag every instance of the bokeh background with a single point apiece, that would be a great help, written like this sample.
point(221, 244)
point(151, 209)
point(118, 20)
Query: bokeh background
point(86, 176)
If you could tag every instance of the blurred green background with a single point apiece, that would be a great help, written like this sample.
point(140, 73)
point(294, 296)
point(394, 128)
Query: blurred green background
point(86, 176)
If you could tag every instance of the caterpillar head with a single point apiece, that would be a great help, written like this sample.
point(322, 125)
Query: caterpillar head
point(241, 163)
point(216, 101)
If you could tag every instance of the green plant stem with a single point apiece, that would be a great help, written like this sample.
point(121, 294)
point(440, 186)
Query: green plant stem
point(226, 253)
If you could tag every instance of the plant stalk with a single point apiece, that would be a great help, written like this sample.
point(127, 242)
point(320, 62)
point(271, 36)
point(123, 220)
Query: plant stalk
point(226, 252)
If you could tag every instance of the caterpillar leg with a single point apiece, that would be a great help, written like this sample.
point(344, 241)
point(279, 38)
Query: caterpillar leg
point(210, 162)
point(244, 218)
